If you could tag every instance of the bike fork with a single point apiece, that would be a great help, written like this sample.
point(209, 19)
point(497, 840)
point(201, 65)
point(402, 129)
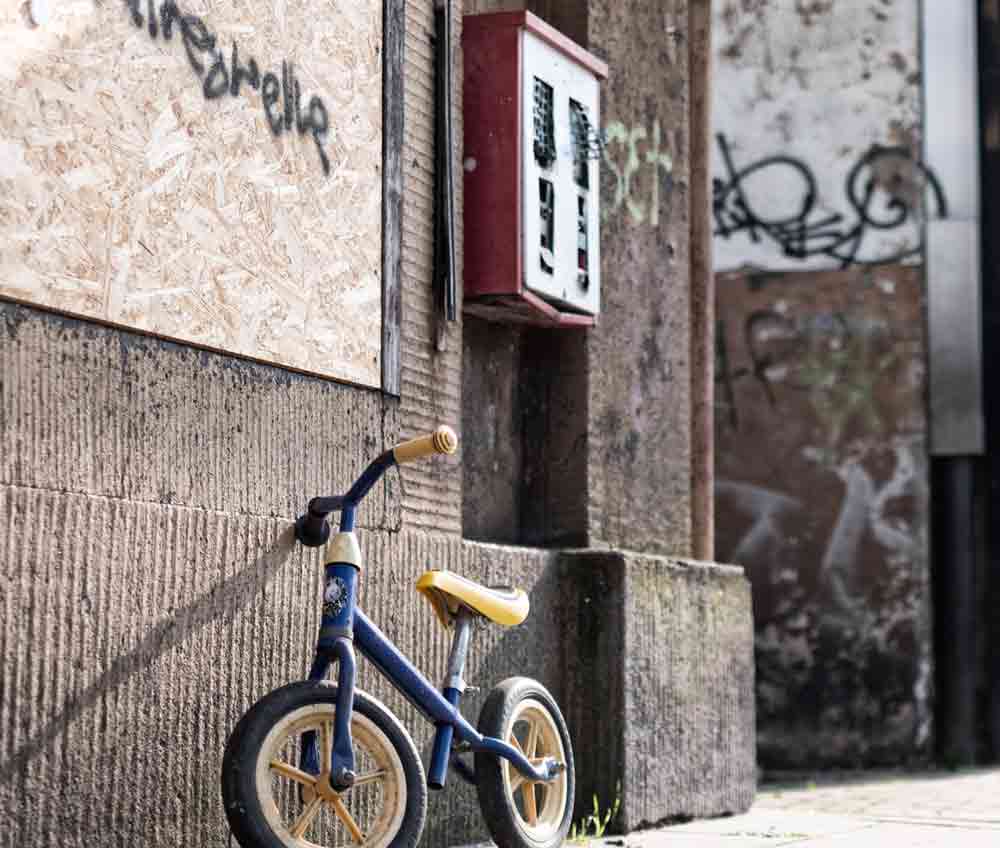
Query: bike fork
point(336, 643)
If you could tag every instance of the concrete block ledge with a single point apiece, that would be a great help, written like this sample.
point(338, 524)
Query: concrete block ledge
point(660, 682)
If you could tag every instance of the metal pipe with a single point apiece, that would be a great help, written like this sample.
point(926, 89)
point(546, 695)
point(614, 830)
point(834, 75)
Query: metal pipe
point(955, 609)
point(459, 651)
point(989, 105)
point(702, 282)
point(444, 219)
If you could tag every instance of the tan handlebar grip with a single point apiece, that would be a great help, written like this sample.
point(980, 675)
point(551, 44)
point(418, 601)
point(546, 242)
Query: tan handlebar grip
point(442, 440)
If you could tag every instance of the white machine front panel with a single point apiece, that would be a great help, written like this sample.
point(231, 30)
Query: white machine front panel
point(554, 252)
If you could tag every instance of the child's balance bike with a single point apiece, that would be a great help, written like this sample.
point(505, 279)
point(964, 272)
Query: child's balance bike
point(314, 763)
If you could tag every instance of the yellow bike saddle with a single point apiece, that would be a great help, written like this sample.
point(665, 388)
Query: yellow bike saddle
point(447, 592)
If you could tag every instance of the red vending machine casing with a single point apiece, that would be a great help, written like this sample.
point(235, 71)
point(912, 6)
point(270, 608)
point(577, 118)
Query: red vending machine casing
point(500, 162)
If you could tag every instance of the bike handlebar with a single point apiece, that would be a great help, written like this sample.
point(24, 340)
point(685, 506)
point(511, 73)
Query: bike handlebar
point(312, 528)
point(442, 440)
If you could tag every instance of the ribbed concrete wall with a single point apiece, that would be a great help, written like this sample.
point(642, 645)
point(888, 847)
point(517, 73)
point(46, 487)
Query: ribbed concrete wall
point(431, 376)
point(152, 591)
point(133, 642)
point(92, 411)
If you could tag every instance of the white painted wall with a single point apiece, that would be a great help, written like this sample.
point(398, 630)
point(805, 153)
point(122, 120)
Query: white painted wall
point(821, 81)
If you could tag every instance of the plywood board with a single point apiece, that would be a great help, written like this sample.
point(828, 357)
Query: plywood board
point(146, 183)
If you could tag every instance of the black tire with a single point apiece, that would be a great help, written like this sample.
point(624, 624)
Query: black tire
point(291, 706)
point(506, 818)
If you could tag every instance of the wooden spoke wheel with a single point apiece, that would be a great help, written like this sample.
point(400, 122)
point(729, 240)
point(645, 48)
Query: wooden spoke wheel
point(276, 775)
point(539, 806)
point(522, 812)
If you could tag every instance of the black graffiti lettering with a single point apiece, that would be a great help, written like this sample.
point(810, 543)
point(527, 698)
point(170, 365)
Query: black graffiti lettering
point(885, 190)
point(197, 38)
point(286, 90)
point(222, 78)
point(168, 14)
point(250, 74)
point(301, 121)
point(319, 121)
point(217, 81)
point(270, 91)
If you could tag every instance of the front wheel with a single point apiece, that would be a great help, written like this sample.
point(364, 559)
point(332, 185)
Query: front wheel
point(275, 775)
point(521, 813)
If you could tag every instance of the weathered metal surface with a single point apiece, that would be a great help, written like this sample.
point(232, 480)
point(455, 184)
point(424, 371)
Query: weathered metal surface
point(955, 337)
point(821, 494)
point(951, 143)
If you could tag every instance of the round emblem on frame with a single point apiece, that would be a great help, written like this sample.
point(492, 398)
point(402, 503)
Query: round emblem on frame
point(334, 597)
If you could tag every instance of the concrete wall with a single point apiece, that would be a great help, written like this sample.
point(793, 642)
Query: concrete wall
point(803, 89)
point(822, 493)
point(615, 401)
point(152, 592)
point(639, 393)
point(684, 745)
point(821, 426)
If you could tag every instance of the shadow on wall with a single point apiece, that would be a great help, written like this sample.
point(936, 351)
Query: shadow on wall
point(223, 602)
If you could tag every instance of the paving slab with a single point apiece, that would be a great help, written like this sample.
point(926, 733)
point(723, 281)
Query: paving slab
point(873, 811)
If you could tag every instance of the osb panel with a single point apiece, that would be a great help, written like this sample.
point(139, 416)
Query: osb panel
point(143, 184)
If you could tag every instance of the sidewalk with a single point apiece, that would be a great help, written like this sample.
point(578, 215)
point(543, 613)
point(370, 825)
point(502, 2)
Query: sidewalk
point(878, 811)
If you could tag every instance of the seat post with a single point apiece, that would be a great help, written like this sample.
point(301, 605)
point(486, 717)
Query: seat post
point(459, 651)
point(454, 686)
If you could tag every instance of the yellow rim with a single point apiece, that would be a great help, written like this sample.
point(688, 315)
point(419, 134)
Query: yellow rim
point(538, 807)
point(302, 809)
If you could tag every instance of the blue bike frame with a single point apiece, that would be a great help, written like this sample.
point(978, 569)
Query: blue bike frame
point(345, 626)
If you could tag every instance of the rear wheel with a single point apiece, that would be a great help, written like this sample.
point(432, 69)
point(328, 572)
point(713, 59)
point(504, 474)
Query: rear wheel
point(522, 813)
point(275, 775)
